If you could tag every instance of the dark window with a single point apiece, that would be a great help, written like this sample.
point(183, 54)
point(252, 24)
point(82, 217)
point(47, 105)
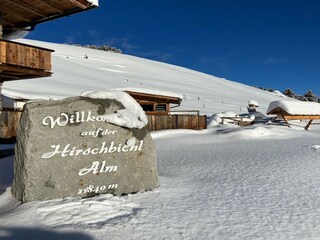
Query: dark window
point(147, 108)
point(161, 108)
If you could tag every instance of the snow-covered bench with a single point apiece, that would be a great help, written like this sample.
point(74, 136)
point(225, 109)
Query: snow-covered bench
point(295, 110)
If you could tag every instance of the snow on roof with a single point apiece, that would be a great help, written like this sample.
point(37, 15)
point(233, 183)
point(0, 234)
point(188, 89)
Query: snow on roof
point(151, 91)
point(253, 102)
point(94, 2)
point(295, 107)
point(132, 116)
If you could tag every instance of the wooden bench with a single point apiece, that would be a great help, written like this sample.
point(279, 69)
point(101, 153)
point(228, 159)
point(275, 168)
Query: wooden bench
point(287, 118)
point(295, 110)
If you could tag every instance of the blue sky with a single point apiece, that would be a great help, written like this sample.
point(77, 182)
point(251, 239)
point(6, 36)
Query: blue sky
point(269, 43)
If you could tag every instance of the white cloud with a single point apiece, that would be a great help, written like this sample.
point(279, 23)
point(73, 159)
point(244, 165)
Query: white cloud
point(274, 61)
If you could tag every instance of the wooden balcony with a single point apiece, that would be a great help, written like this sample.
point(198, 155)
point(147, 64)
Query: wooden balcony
point(22, 61)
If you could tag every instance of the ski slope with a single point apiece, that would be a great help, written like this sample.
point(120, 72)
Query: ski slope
point(74, 74)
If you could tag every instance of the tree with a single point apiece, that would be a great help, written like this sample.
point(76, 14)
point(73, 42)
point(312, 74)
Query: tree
point(289, 93)
point(311, 96)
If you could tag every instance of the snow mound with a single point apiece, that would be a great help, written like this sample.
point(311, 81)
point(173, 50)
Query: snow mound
point(295, 107)
point(222, 118)
point(171, 133)
point(279, 94)
point(316, 147)
point(216, 119)
point(132, 116)
point(253, 102)
point(89, 212)
point(256, 132)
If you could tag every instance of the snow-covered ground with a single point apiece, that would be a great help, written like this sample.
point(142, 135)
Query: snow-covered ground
point(226, 182)
point(259, 182)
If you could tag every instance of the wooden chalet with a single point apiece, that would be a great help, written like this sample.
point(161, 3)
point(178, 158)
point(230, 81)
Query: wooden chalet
point(158, 108)
point(21, 61)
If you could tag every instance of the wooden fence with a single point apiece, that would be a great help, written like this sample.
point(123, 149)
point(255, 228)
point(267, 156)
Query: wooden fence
point(177, 121)
point(9, 121)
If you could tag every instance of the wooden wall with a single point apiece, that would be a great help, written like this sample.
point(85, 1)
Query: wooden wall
point(9, 122)
point(24, 55)
point(162, 122)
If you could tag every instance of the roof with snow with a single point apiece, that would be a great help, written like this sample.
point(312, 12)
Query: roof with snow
point(290, 107)
point(18, 15)
point(143, 93)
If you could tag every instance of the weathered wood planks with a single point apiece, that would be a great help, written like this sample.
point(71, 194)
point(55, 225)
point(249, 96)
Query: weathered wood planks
point(22, 61)
point(162, 122)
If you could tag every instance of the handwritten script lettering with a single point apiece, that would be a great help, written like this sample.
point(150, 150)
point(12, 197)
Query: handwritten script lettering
point(97, 167)
point(77, 117)
point(97, 189)
point(103, 149)
point(98, 132)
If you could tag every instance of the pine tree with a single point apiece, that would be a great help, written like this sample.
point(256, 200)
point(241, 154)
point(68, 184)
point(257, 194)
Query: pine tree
point(289, 93)
point(311, 96)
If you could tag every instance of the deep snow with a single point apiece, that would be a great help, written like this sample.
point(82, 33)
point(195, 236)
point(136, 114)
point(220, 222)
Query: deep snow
point(258, 182)
point(227, 182)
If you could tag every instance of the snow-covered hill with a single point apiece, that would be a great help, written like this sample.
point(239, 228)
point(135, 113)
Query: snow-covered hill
point(74, 73)
point(257, 182)
point(227, 182)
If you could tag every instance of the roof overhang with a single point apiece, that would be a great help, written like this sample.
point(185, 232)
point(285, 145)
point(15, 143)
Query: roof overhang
point(26, 14)
point(154, 97)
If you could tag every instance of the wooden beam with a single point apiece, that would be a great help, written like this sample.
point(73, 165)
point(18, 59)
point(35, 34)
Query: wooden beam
point(22, 73)
point(27, 7)
point(5, 22)
point(302, 117)
point(11, 14)
point(78, 4)
point(7, 76)
point(308, 125)
point(286, 121)
point(53, 6)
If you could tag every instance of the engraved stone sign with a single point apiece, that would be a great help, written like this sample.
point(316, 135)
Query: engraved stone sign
point(83, 146)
